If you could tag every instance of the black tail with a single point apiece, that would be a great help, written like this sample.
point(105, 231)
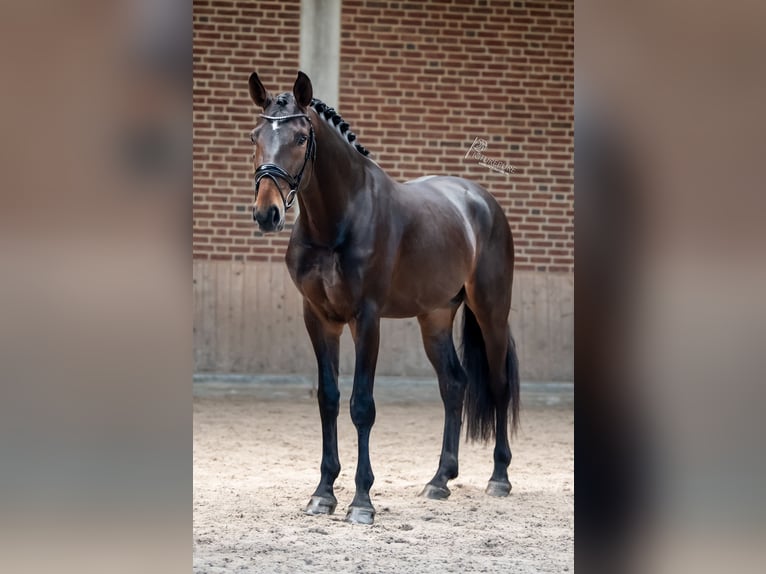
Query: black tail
point(479, 405)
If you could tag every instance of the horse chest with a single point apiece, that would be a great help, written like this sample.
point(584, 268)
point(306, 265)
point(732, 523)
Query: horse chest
point(326, 283)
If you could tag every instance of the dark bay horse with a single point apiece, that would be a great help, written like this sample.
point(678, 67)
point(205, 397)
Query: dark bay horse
point(365, 247)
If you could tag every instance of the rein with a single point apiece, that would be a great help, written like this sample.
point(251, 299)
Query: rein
point(273, 171)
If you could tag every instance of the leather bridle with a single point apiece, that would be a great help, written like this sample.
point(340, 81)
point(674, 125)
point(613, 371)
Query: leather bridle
point(273, 171)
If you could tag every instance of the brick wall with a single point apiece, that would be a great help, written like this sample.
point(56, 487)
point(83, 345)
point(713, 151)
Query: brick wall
point(417, 86)
point(231, 40)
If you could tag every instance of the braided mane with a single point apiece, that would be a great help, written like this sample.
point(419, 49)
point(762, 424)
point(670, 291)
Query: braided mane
point(333, 119)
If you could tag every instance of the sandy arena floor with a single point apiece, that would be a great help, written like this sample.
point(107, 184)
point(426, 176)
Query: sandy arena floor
point(257, 447)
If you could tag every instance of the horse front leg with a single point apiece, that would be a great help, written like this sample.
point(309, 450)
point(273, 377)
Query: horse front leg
point(365, 329)
point(325, 338)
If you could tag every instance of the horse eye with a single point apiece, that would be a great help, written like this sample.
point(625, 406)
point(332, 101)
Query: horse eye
point(301, 139)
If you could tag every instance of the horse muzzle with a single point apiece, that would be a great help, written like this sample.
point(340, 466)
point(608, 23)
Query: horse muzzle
point(269, 220)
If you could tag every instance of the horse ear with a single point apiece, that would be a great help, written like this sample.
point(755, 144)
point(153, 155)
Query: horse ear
point(302, 90)
point(258, 93)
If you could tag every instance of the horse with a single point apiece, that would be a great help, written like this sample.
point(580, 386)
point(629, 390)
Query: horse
point(365, 247)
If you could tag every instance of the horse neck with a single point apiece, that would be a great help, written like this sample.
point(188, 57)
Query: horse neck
point(337, 177)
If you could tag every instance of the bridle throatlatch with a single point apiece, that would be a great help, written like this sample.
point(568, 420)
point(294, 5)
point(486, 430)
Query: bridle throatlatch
point(273, 171)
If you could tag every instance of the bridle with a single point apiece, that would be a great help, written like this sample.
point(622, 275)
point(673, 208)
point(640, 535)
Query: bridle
point(273, 171)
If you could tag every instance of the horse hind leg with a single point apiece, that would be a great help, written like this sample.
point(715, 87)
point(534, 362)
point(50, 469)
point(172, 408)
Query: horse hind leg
point(436, 329)
point(493, 383)
point(501, 389)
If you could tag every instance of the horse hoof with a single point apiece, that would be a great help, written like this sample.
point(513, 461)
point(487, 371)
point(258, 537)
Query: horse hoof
point(360, 515)
point(321, 505)
point(498, 488)
point(435, 492)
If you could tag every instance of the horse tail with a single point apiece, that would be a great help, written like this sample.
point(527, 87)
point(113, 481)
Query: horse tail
point(479, 403)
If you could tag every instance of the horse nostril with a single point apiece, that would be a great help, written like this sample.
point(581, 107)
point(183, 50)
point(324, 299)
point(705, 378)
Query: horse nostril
point(275, 216)
point(261, 218)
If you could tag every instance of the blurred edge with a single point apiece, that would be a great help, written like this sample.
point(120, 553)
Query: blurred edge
point(669, 141)
point(95, 251)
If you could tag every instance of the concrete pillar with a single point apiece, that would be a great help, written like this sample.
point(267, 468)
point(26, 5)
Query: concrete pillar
point(320, 47)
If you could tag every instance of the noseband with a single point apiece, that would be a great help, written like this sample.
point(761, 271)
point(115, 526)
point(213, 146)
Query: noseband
point(273, 171)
